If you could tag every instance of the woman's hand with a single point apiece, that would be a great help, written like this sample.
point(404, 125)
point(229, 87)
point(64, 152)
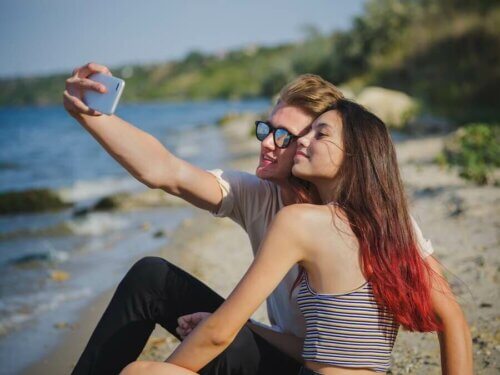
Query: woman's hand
point(77, 84)
point(189, 322)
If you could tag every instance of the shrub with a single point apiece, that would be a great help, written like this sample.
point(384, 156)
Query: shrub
point(475, 149)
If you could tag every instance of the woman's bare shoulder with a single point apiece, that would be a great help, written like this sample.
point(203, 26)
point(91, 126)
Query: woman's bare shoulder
point(313, 214)
point(313, 222)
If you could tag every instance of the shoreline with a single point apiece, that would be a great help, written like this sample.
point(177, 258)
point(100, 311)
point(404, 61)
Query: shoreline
point(196, 253)
point(63, 357)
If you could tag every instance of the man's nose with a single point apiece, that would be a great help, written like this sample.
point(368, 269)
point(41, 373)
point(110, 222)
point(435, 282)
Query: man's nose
point(268, 142)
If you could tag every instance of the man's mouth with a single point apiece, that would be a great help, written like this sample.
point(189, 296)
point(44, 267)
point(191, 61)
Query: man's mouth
point(266, 160)
point(301, 154)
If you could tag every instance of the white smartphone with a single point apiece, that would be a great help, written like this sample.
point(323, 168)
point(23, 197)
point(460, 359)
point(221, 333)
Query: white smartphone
point(104, 102)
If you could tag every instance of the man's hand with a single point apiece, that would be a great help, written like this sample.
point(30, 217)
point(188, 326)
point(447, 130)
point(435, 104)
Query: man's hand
point(189, 322)
point(77, 84)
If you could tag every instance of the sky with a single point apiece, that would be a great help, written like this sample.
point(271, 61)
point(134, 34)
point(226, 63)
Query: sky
point(39, 37)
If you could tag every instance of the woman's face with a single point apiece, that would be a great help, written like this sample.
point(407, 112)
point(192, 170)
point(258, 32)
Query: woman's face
point(320, 152)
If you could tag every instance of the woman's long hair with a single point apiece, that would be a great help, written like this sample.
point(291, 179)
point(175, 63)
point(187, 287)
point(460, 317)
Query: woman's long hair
point(368, 188)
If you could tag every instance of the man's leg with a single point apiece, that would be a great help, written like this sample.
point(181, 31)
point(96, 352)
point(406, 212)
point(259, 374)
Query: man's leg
point(156, 291)
point(153, 291)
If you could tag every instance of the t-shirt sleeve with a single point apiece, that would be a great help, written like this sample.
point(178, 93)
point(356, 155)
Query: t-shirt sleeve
point(241, 195)
point(227, 203)
point(424, 245)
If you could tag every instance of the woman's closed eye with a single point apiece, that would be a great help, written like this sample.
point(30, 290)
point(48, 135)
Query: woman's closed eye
point(320, 135)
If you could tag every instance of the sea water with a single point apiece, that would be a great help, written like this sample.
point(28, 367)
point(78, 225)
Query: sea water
point(46, 148)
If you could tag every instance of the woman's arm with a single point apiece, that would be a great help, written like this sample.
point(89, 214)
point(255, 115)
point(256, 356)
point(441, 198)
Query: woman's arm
point(137, 151)
point(283, 246)
point(288, 343)
point(455, 339)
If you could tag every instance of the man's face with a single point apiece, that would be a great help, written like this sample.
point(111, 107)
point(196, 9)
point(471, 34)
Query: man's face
point(276, 163)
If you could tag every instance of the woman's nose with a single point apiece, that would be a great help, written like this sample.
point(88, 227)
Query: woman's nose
point(304, 140)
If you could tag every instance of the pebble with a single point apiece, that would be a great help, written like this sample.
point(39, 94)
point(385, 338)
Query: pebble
point(59, 276)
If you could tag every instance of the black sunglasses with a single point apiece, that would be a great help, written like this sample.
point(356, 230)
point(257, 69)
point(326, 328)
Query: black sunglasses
point(281, 136)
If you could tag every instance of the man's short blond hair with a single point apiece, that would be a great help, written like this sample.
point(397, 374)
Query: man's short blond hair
point(311, 93)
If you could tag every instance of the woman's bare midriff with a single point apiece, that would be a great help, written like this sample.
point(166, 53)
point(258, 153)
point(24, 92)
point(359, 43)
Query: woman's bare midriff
point(330, 370)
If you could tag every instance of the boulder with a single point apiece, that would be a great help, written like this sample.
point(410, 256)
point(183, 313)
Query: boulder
point(395, 108)
point(35, 200)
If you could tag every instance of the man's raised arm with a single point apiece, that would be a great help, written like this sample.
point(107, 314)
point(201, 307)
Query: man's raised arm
point(137, 151)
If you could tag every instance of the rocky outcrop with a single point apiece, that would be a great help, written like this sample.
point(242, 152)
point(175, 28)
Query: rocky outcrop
point(35, 200)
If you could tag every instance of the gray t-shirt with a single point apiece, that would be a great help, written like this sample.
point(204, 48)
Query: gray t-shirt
point(252, 203)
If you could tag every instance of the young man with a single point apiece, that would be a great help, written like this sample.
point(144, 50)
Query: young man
point(155, 291)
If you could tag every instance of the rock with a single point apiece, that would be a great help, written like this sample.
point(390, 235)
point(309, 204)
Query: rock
point(36, 200)
point(480, 261)
point(150, 198)
point(485, 305)
point(59, 276)
point(427, 124)
point(80, 212)
point(37, 259)
point(159, 233)
point(187, 223)
point(455, 206)
point(428, 192)
point(111, 202)
point(61, 325)
point(395, 108)
point(347, 92)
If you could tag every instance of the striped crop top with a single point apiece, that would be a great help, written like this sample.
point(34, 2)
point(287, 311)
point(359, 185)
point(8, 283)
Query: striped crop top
point(346, 330)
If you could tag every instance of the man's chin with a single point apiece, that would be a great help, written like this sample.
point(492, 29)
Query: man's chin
point(269, 175)
point(264, 173)
point(260, 172)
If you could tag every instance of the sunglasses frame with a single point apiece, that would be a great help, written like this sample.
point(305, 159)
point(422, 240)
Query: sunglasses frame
point(273, 130)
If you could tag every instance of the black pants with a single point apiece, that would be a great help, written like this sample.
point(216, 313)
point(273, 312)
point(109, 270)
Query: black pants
point(307, 371)
point(155, 291)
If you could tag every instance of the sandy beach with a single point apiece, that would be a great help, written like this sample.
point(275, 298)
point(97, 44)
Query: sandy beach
point(462, 221)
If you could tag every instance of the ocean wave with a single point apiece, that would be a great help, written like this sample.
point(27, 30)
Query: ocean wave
point(16, 310)
point(60, 229)
point(92, 224)
point(97, 223)
point(51, 256)
point(84, 190)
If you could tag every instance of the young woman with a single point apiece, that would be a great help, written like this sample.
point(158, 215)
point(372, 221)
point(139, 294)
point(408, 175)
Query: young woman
point(362, 274)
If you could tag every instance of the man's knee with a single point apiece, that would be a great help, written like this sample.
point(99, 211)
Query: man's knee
point(147, 275)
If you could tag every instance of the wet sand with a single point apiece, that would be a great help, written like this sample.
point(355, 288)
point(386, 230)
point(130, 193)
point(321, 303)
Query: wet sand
point(462, 221)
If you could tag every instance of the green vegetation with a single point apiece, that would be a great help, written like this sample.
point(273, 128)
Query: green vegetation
point(444, 53)
point(475, 149)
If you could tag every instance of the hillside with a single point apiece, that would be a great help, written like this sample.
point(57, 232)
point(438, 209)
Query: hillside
point(444, 53)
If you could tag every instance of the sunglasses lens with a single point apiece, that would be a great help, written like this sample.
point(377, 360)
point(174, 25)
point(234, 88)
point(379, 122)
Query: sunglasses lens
point(282, 138)
point(262, 131)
